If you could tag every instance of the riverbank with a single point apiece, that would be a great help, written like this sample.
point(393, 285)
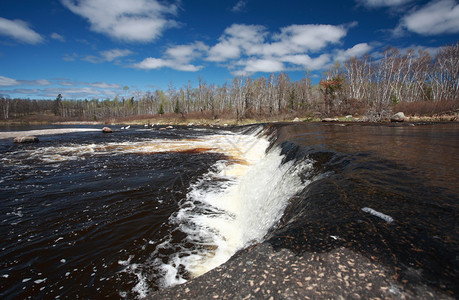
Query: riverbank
point(173, 119)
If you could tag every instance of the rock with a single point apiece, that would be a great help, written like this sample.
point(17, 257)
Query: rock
point(330, 120)
point(296, 120)
point(107, 130)
point(349, 117)
point(26, 139)
point(398, 117)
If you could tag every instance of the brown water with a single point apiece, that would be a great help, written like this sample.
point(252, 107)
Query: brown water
point(431, 150)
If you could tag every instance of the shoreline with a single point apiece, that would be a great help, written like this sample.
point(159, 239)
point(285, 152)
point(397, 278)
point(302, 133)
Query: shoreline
point(155, 120)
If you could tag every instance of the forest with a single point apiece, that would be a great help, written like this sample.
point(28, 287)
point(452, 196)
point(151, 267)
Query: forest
point(371, 86)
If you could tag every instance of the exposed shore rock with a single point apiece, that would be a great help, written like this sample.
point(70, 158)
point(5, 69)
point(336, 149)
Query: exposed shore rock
point(26, 139)
point(264, 273)
point(330, 120)
point(107, 130)
point(398, 117)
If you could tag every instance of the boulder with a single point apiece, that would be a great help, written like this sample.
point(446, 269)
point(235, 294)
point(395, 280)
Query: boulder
point(296, 120)
point(26, 139)
point(398, 117)
point(107, 130)
point(330, 120)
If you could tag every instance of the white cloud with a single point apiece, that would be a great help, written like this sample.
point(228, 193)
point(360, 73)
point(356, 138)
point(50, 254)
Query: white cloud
point(382, 3)
point(58, 37)
point(239, 6)
point(257, 50)
point(237, 38)
point(103, 56)
point(113, 54)
point(104, 85)
point(307, 62)
point(177, 58)
point(186, 53)
point(5, 81)
point(357, 50)
point(302, 38)
point(69, 89)
point(158, 63)
point(437, 17)
point(248, 49)
point(133, 21)
point(19, 30)
point(263, 65)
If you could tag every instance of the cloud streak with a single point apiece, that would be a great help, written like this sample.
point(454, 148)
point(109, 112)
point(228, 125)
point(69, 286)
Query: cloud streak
point(383, 3)
point(73, 90)
point(20, 31)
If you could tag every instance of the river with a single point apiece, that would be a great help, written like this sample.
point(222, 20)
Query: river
point(87, 214)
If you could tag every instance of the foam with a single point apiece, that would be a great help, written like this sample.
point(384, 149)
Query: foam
point(232, 206)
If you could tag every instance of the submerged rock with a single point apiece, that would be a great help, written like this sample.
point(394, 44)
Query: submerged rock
point(398, 117)
point(107, 130)
point(26, 139)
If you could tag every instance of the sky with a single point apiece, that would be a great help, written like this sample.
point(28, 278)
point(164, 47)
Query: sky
point(86, 49)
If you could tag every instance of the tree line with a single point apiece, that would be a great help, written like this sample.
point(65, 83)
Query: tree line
point(369, 85)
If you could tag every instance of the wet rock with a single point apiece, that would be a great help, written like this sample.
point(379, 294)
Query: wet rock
point(398, 117)
point(107, 130)
point(26, 139)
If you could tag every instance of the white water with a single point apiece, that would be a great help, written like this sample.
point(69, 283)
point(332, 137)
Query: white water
point(232, 207)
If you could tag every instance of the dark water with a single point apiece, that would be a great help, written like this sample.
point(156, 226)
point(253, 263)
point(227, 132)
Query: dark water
point(67, 226)
point(87, 215)
point(389, 192)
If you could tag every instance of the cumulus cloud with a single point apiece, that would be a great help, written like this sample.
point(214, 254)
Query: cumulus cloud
point(263, 65)
point(177, 58)
point(307, 62)
point(20, 31)
point(247, 49)
point(237, 39)
point(158, 63)
point(257, 50)
point(356, 50)
point(382, 3)
point(132, 21)
point(437, 17)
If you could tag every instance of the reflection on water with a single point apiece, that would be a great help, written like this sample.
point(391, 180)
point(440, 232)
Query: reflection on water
point(431, 150)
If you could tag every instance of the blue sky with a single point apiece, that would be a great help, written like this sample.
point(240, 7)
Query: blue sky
point(94, 48)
